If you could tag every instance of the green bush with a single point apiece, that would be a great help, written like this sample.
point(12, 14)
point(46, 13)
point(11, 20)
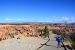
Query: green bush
point(72, 36)
point(73, 45)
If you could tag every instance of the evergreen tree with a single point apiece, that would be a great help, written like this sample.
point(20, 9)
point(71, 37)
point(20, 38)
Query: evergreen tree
point(46, 32)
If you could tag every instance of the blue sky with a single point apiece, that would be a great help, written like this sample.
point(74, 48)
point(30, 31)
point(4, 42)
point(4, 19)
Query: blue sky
point(53, 11)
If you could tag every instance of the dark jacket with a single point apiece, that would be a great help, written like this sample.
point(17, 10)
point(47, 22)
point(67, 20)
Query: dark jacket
point(59, 39)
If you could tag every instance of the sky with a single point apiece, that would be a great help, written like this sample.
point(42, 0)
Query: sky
point(53, 11)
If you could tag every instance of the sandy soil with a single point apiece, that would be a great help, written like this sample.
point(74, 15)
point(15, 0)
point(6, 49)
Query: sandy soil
point(27, 43)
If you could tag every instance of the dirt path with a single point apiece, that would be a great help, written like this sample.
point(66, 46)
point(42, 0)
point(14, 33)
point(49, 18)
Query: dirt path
point(51, 45)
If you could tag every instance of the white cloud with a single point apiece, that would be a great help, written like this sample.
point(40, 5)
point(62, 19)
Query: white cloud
point(11, 19)
point(19, 19)
point(8, 19)
point(68, 19)
point(61, 19)
point(47, 19)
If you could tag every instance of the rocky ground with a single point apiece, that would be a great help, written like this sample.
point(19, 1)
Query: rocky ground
point(29, 43)
point(9, 31)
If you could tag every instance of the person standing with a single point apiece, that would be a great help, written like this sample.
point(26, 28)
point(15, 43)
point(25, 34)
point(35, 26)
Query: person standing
point(59, 41)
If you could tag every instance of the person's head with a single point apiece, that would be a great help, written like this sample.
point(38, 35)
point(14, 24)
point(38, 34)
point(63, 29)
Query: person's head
point(59, 36)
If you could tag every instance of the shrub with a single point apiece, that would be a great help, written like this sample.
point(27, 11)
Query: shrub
point(72, 36)
point(16, 33)
point(11, 35)
point(63, 35)
point(18, 37)
point(73, 45)
point(56, 32)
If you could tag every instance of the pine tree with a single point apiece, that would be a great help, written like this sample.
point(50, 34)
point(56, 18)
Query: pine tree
point(46, 32)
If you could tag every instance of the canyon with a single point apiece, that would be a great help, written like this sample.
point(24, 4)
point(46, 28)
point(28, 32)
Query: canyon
point(12, 31)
